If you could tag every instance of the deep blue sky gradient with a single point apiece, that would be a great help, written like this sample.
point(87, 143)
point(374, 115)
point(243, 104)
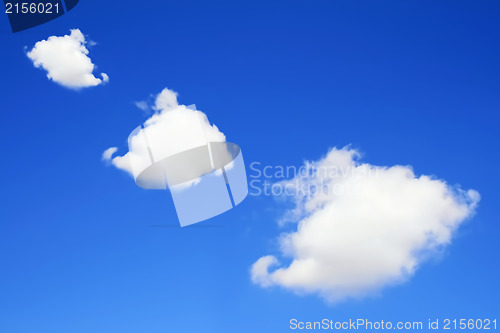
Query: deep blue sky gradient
point(82, 249)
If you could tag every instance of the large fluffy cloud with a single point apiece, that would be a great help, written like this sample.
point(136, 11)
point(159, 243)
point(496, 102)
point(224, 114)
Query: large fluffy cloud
point(66, 60)
point(361, 227)
point(172, 129)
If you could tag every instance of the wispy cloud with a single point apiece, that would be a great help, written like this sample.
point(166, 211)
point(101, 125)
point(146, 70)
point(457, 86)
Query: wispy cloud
point(143, 105)
point(108, 153)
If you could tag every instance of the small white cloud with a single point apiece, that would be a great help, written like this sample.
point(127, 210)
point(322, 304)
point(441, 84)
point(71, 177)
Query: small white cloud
point(143, 105)
point(66, 61)
point(361, 227)
point(172, 129)
point(260, 270)
point(108, 153)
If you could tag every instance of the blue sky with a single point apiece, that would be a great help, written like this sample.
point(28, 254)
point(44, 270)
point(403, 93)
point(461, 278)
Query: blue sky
point(82, 249)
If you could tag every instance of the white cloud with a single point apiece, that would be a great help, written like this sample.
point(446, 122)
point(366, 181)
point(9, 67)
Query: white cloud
point(108, 153)
point(166, 100)
point(364, 227)
point(105, 77)
point(172, 129)
point(143, 105)
point(66, 60)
